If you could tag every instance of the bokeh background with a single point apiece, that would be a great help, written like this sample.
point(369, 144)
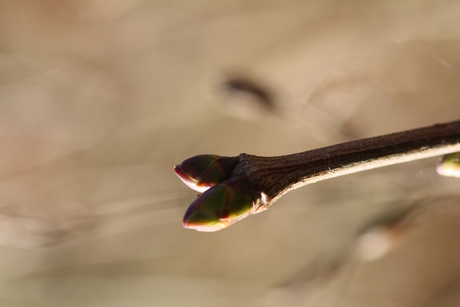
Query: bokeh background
point(100, 99)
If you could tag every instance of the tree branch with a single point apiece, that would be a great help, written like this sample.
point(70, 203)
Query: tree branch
point(272, 177)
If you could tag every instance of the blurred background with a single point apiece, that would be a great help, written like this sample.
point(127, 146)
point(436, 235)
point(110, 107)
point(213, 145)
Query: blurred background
point(100, 99)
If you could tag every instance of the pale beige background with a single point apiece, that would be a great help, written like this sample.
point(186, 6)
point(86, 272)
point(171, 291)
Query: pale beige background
point(99, 99)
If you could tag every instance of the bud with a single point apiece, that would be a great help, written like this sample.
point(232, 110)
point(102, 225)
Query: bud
point(449, 165)
point(204, 171)
point(220, 206)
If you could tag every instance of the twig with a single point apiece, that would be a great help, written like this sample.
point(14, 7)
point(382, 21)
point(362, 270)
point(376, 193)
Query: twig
point(272, 177)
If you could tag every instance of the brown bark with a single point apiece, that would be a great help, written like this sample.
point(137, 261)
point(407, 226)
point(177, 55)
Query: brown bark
point(271, 177)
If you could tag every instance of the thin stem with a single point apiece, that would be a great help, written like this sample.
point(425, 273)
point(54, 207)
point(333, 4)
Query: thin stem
point(272, 177)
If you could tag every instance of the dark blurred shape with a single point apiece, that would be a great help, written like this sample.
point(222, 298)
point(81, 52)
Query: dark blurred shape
point(246, 98)
point(241, 85)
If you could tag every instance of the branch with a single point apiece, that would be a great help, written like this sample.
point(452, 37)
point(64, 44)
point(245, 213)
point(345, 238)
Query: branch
point(272, 177)
point(234, 187)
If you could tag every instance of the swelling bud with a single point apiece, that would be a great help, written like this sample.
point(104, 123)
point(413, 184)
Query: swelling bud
point(220, 206)
point(204, 171)
point(449, 165)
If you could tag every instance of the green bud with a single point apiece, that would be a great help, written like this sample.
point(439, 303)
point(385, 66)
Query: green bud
point(449, 165)
point(204, 171)
point(220, 206)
